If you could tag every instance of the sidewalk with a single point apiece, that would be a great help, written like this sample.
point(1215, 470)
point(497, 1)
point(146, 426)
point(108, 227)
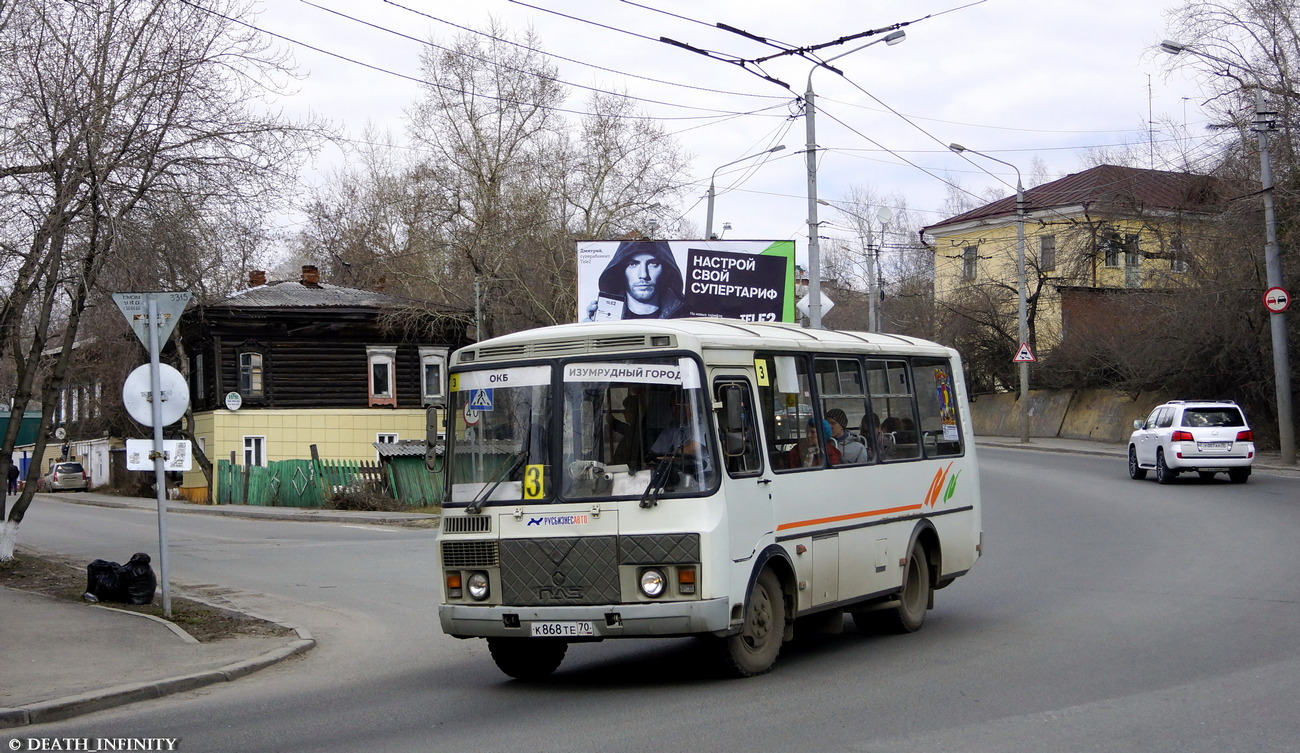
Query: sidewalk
point(59, 659)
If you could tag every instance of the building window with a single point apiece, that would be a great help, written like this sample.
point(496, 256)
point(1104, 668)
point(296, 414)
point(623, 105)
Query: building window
point(1178, 255)
point(198, 377)
point(1131, 255)
point(969, 256)
point(433, 362)
point(1109, 246)
point(254, 451)
point(1047, 252)
point(383, 391)
point(384, 438)
point(250, 374)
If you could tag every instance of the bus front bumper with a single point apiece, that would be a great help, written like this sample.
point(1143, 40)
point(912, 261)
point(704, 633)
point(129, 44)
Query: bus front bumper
point(604, 620)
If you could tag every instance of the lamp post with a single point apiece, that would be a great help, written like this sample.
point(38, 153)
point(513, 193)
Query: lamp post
point(708, 221)
point(810, 127)
point(884, 214)
point(1272, 256)
point(1022, 318)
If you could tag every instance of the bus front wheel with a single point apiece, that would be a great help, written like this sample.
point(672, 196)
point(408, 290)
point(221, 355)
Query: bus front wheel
point(753, 650)
point(527, 659)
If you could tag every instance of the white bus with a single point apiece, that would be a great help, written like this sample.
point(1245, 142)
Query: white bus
point(684, 477)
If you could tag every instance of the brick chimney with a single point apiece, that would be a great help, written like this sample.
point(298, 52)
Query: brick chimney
point(310, 276)
point(256, 277)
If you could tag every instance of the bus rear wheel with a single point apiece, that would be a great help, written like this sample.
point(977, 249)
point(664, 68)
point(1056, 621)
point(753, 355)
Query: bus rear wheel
point(914, 599)
point(754, 649)
point(527, 659)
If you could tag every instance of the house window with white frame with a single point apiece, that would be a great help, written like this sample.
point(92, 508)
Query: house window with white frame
point(382, 366)
point(1109, 246)
point(433, 365)
point(250, 374)
point(1178, 256)
point(254, 451)
point(1047, 252)
point(1132, 257)
point(969, 257)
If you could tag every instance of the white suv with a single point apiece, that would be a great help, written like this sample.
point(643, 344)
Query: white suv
point(1206, 436)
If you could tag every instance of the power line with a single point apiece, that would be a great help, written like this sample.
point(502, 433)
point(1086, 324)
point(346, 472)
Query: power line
point(580, 62)
point(454, 90)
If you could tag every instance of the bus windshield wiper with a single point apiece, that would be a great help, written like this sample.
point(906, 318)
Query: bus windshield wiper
point(509, 470)
point(660, 476)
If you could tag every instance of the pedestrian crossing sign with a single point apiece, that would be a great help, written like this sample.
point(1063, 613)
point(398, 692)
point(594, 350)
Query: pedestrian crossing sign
point(481, 399)
point(1024, 355)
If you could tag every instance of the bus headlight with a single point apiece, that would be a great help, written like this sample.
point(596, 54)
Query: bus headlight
point(653, 582)
point(477, 585)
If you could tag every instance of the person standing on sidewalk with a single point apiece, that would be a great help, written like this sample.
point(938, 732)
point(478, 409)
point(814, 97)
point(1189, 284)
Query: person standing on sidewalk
point(13, 478)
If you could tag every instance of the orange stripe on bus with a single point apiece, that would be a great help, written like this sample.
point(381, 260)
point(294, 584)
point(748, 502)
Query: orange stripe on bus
point(850, 516)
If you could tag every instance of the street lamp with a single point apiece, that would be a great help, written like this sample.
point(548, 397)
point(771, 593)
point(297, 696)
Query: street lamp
point(810, 116)
point(884, 214)
point(1272, 255)
point(708, 222)
point(1023, 321)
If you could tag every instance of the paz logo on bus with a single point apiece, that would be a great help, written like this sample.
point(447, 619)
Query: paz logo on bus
point(1277, 300)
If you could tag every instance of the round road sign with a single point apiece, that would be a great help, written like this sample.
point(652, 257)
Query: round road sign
point(1277, 300)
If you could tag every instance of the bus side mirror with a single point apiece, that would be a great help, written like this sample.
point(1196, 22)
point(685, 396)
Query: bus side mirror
point(435, 454)
point(733, 414)
point(732, 418)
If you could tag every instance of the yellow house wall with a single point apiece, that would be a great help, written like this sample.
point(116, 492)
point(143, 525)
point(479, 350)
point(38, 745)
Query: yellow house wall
point(343, 434)
point(998, 243)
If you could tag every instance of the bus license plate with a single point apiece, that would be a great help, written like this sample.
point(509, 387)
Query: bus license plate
point(561, 629)
point(1214, 446)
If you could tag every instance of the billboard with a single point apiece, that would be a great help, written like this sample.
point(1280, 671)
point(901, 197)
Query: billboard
point(648, 279)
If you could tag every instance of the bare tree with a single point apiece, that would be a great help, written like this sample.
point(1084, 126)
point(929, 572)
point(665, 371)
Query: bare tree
point(115, 114)
point(487, 215)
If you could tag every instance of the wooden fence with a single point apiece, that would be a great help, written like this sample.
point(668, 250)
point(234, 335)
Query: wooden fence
point(309, 483)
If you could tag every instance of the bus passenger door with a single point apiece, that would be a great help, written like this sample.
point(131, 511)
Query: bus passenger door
point(747, 482)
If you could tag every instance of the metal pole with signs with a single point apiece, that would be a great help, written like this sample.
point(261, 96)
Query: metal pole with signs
point(153, 316)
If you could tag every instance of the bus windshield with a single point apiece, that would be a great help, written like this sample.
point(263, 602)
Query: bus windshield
point(500, 438)
point(635, 427)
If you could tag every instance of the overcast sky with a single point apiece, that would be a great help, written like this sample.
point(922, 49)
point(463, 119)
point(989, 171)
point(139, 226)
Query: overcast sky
point(1018, 79)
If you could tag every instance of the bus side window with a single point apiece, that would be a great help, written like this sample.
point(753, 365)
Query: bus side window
point(784, 398)
point(893, 402)
point(737, 428)
point(936, 398)
point(844, 402)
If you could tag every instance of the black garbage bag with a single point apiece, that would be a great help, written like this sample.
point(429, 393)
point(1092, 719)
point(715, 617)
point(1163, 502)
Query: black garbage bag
point(132, 583)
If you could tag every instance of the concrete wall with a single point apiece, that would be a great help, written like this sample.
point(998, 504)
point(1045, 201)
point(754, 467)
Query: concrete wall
point(1099, 415)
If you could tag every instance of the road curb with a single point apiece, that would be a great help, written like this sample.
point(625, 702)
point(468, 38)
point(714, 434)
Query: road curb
point(121, 695)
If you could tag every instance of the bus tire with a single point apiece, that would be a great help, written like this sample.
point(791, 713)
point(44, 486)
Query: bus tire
point(527, 659)
point(914, 599)
point(754, 649)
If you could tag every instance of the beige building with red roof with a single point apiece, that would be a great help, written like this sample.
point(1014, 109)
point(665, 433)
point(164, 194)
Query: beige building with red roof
point(1089, 237)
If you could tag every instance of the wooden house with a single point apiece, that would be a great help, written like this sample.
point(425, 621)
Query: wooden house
point(283, 366)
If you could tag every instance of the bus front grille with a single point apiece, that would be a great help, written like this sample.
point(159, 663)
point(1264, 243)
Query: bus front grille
point(466, 554)
point(573, 570)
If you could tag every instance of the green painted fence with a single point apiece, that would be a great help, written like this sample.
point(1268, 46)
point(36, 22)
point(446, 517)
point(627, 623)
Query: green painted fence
point(308, 483)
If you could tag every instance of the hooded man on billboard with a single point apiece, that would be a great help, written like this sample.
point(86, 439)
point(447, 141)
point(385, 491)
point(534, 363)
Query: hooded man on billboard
point(642, 281)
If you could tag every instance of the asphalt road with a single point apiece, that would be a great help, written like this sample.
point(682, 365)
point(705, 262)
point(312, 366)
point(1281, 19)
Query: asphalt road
point(1106, 615)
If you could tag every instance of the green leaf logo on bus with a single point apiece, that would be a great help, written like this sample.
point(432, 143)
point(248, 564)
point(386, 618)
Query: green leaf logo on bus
point(937, 486)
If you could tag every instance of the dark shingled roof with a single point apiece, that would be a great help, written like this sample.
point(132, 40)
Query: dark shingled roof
point(1109, 189)
point(294, 294)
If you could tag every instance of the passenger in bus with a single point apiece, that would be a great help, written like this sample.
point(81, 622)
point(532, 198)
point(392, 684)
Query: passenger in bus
point(807, 453)
point(852, 447)
point(882, 443)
